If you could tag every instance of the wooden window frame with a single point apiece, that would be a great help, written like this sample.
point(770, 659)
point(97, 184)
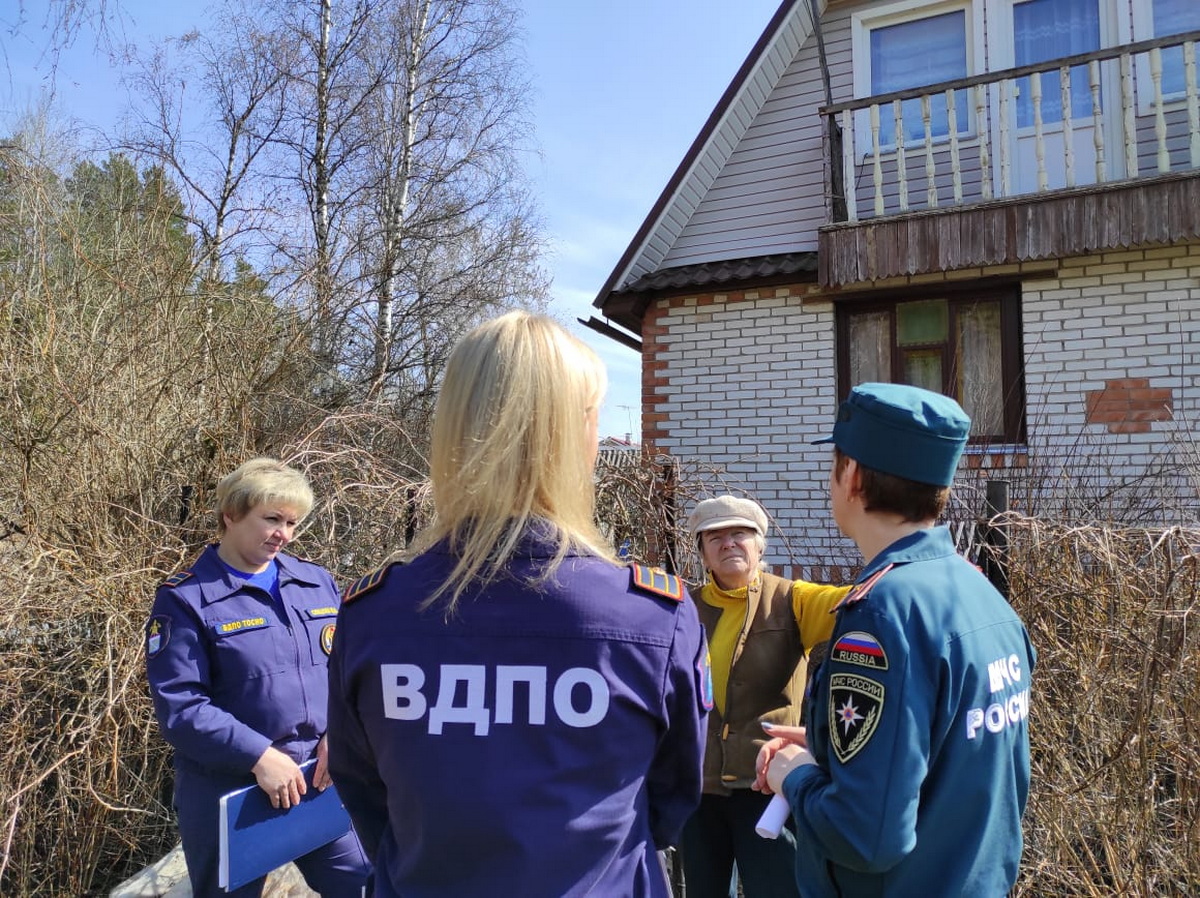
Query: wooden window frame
point(1011, 360)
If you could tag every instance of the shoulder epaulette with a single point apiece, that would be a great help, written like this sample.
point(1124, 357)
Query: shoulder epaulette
point(177, 578)
point(656, 581)
point(366, 584)
point(860, 590)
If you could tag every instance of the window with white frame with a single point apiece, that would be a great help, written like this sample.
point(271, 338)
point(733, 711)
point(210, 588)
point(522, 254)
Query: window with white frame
point(1169, 17)
point(907, 46)
point(1050, 29)
point(962, 344)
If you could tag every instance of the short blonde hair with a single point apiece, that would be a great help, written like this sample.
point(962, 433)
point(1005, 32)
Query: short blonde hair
point(257, 482)
point(510, 443)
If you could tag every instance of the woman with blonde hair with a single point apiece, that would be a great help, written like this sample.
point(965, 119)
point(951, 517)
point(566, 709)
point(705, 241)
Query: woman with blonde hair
point(512, 711)
point(237, 648)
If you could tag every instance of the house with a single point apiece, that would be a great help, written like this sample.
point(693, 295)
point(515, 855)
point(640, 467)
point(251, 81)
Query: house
point(612, 444)
point(996, 199)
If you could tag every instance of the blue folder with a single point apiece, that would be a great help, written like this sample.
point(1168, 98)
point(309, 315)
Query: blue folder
point(256, 838)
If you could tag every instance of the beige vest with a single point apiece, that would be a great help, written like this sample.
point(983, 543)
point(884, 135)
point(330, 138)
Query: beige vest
point(766, 682)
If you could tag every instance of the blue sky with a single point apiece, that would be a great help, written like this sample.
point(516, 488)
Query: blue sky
point(622, 87)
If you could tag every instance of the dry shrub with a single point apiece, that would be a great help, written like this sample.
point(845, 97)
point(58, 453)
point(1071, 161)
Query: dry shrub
point(85, 777)
point(1115, 720)
point(127, 389)
point(83, 773)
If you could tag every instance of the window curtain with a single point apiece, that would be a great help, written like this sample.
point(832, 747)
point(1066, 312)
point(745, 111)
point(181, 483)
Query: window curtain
point(914, 54)
point(1175, 17)
point(1050, 29)
point(870, 348)
point(980, 367)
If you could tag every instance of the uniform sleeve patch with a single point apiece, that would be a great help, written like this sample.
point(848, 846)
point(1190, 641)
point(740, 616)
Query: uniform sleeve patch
point(327, 638)
point(859, 648)
point(366, 584)
point(656, 581)
point(177, 578)
point(158, 634)
point(855, 706)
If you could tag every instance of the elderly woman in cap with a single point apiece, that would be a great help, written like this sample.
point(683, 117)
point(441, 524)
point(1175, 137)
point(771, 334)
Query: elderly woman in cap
point(760, 630)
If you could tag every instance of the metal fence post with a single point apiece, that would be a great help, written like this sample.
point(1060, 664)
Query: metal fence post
point(996, 536)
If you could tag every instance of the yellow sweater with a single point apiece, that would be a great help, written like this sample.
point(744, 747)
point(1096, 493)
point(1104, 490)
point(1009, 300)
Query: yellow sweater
point(811, 604)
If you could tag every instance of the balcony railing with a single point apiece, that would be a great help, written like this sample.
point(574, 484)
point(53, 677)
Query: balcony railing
point(1031, 129)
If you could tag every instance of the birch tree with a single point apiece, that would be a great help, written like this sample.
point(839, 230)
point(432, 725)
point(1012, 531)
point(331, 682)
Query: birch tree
point(447, 232)
point(365, 156)
point(407, 121)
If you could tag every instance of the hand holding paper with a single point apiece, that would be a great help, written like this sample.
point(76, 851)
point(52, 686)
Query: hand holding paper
point(770, 824)
point(257, 835)
point(776, 759)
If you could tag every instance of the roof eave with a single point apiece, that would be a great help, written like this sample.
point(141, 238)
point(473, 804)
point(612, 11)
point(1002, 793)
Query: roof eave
point(616, 312)
point(627, 306)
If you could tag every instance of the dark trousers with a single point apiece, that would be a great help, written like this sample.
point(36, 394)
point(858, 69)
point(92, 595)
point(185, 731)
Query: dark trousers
point(721, 834)
point(336, 870)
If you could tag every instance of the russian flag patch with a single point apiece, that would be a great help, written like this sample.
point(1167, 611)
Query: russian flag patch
point(859, 648)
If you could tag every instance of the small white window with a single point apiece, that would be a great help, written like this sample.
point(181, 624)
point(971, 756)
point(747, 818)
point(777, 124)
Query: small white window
point(916, 53)
point(907, 45)
point(1174, 17)
point(1162, 18)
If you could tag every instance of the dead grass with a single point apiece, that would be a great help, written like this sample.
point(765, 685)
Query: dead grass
point(85, 778)
point(1115, 802)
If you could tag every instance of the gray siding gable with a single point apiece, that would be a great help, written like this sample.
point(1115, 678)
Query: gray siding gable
point(733, 196)
point(769, 197)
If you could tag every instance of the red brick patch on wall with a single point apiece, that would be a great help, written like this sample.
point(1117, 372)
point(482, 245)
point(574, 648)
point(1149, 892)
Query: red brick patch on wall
point(652, 377)
point(1128, 405)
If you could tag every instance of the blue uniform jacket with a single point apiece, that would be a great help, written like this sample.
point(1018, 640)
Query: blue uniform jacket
point(541, 742)
point(918, 723)
point(231, 673)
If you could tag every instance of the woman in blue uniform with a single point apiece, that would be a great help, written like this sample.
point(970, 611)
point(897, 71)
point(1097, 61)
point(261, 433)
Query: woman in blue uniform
point(512, 712)
point(237, 650)
point(916, 770)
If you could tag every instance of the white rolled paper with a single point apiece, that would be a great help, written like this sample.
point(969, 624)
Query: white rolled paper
point(773, 818)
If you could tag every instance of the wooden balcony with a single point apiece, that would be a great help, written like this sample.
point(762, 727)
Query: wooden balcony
point(1075, 155)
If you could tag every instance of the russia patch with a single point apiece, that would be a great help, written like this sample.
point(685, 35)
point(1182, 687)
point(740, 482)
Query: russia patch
point(855, 706)
point(158, 634)
point(859, 648)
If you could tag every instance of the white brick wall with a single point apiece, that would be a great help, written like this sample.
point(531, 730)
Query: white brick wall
point(1140, 320)
point(749, 382)
point(761, 387)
